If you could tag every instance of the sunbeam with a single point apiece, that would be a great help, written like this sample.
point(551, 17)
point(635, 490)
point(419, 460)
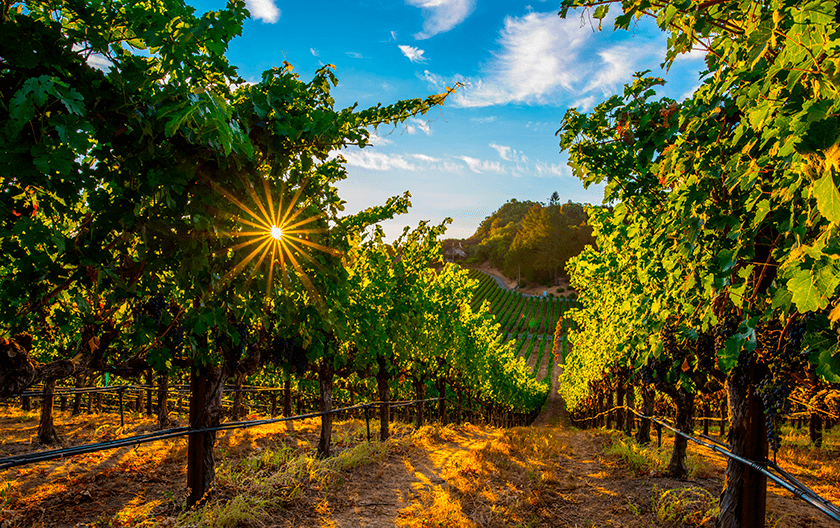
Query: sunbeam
point(278, 235)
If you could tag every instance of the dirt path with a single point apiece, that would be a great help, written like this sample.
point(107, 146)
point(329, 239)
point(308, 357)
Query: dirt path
point(554, 411)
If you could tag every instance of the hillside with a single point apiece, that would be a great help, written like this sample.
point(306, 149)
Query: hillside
point(527, 241)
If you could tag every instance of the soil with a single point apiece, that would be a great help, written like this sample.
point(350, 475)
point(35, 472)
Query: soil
point(419, 482)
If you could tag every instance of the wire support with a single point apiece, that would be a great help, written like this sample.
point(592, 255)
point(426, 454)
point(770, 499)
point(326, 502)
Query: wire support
point(799, 490)
point(53, 454)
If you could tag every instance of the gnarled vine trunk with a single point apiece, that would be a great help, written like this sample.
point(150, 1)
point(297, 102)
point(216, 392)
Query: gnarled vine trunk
point(629, 417)
point(743, 502)
point(287, 395)
point(684, 402)
point(643, 434)
point(206, 386)
point(46, 429)
point(420, 394)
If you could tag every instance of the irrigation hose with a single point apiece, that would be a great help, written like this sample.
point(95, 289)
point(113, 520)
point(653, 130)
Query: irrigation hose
point(805, 494)
point(31, 458)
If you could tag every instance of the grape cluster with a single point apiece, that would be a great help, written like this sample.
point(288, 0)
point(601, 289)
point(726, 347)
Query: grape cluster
point(669, 339)
point(740, 375)
point(724, 330)
point(174, 339)
point(646, 374)
point(774, 394)
point(154, 307)
point(705, 350)
point(286, 350)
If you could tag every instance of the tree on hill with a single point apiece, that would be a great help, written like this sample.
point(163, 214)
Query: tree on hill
point(532, 239)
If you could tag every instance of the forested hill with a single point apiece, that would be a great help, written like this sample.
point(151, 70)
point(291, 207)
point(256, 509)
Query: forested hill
point(530, 238)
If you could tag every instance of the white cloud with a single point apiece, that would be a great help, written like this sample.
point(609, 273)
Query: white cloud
point(684, 96)
point(542, 58)
point(585, 104)
point(504, 152)
point(480, 166)
point(695, 54)
point(264, 10)
point(439, 16)
point(314, 52)
point(422, 124)
point(488, 119)
point(376, 139)
point(99, 62)
point(354, 55)
point(96, 60)
point(393, 35)
point(376, 160)
point(550, 169)
point(424, 157)
point(617, 69)
point(413, 54)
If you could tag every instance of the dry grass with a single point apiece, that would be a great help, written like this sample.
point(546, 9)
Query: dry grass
point(649, 459)
point(439, 476)
point(503, 479)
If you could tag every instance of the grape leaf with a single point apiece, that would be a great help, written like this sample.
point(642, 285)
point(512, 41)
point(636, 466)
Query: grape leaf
point(803, 286)
point(828, 198)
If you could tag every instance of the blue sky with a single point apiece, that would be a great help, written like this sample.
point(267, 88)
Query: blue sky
point(493, 140)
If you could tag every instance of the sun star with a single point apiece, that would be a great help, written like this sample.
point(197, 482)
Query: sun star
point(279, 235)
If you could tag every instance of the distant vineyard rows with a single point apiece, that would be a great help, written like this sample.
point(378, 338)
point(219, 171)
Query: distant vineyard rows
point(532, 321)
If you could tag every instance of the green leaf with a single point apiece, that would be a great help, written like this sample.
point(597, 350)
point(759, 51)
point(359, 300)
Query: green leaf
point(828, 363)
point(728, 355)
point(828, 198)
point(803, 287)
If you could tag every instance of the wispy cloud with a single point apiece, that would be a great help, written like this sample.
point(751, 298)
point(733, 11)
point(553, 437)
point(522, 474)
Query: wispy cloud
point(413, 54)
point(426, 158)
point(488, 119)
point(504, 151)
point(368, 159)
point(421, 124)
point(439, 16)
point(543, 169)
point(354, 55)
point(479, 166)
point(542, 58)
point(585, 104)
point(314, 52)
point(695, 54)
point(617, 67)
point(393, 35)
point(264, 10)
point(376, 139)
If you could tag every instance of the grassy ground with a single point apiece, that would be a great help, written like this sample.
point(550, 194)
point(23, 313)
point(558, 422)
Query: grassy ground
point(437, 476)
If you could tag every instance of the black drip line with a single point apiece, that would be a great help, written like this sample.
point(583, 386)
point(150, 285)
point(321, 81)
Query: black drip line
point(31, 458)
point(787, 481)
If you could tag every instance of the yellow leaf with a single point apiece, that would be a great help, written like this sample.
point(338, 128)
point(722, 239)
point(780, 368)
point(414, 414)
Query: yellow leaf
point(834, 316)
point(832, 157)
point(93, 344)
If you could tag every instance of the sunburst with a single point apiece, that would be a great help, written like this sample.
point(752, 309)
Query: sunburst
point(278, 234)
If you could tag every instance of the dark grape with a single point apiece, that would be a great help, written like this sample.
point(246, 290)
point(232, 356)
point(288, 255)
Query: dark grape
point(288, 351)
point(174, 339)
point(154, 307)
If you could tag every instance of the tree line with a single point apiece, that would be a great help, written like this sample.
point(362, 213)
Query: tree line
point(529, 240)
